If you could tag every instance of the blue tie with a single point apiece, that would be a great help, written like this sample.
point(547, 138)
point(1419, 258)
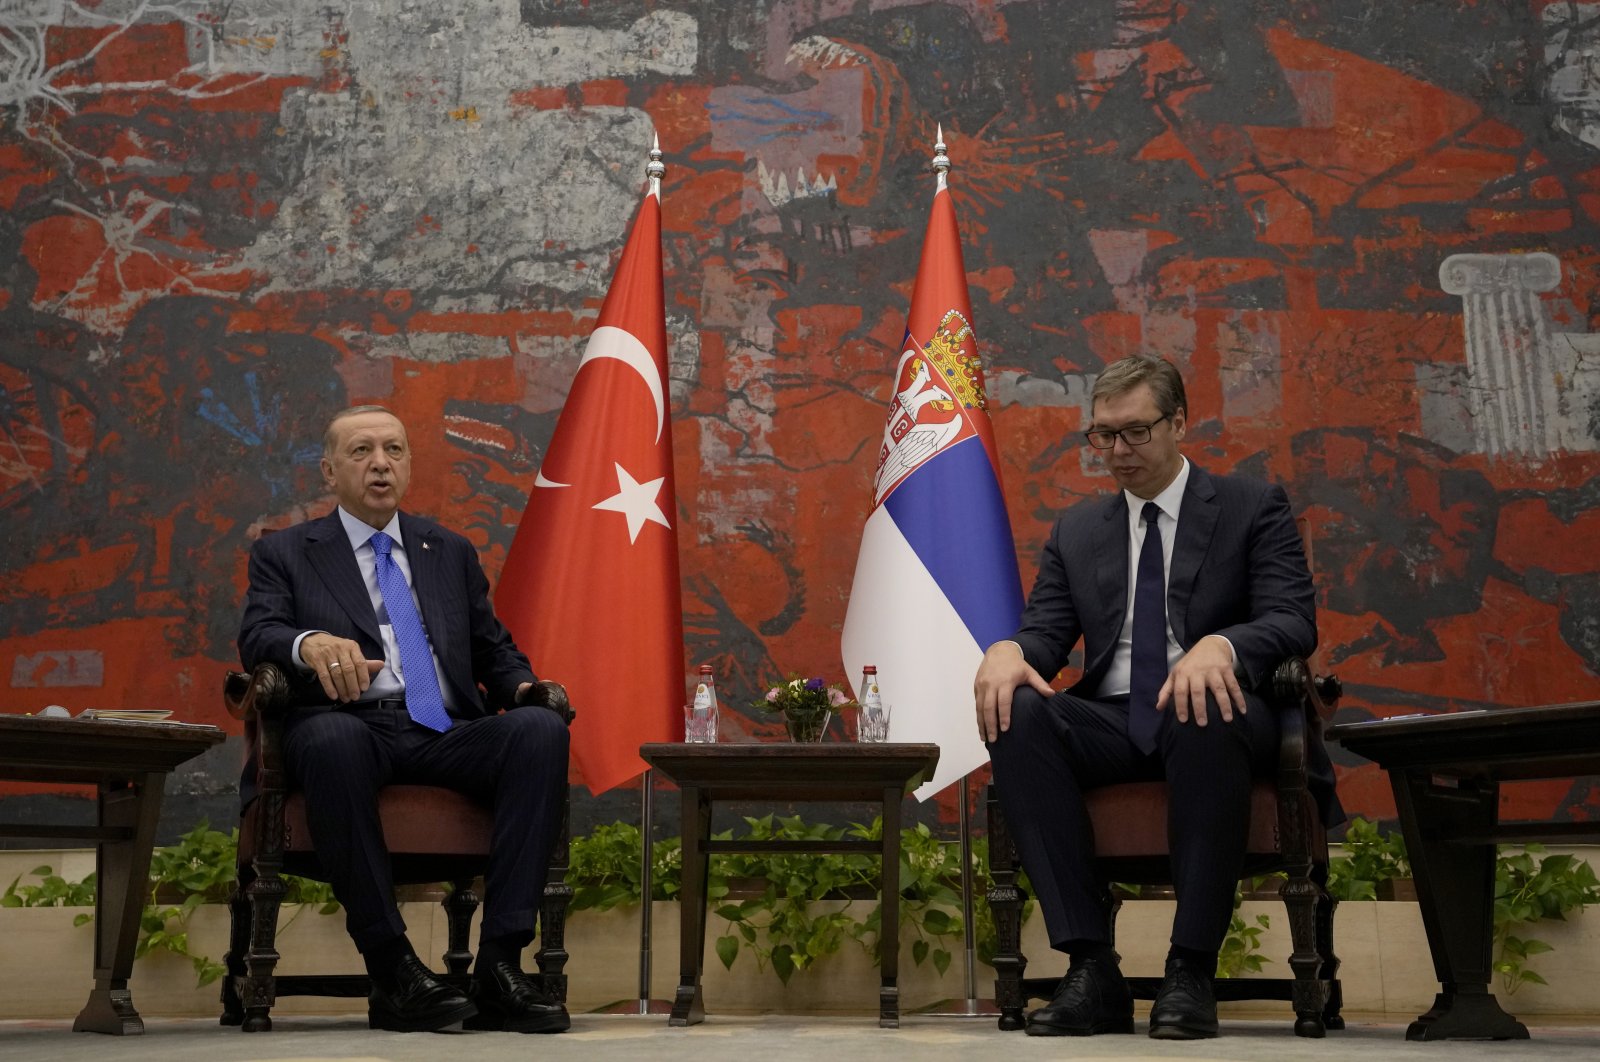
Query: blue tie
point(1149, 636)
point(423, 699)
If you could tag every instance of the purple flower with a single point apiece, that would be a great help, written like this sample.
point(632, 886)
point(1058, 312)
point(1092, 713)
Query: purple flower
point(814, 684)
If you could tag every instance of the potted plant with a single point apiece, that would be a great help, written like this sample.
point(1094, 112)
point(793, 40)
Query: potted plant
point(806, 704)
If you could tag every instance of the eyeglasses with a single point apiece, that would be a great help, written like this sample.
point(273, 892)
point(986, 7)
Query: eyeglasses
point(1133, 434)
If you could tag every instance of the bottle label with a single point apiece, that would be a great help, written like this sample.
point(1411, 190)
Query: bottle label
point(702, 698)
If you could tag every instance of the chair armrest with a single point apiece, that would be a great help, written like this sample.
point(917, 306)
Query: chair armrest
point(265, 691)
point(548, 693)
point(1293, 682)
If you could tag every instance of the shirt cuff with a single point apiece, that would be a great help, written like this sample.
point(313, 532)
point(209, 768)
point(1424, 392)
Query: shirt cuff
point(1237, 670)
point(294, 651)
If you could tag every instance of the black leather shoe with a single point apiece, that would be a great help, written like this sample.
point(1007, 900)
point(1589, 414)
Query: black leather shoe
point(1093, 998)
point(1186, 1006)
point(420, 1002)
point(511, 1001)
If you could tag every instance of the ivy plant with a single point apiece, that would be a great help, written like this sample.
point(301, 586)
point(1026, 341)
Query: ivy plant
point(52, 891)
point(1373, 856)
point(781, 924)
point(1530, 889)
point(200, 868)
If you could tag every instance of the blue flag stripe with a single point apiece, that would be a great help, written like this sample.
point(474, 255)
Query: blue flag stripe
point(951, 512)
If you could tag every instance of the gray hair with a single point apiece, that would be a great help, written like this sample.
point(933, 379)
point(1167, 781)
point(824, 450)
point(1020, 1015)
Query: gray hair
point(1125, 374)
point(329, 438)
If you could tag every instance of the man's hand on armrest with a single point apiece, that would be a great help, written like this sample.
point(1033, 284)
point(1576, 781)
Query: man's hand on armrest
point(1003, 669)
point(546, 693)
point(339, 664)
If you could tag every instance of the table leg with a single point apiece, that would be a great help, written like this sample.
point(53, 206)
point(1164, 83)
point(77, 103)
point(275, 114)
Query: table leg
point(688, 1006)
point(889, 913)
point(122, 869)
point(1455, 884)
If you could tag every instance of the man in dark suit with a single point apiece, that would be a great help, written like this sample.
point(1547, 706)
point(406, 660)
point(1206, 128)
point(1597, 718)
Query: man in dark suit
point(1179, 625)
point(383, 621)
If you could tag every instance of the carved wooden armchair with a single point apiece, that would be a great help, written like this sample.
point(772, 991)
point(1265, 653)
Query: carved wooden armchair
point(1130, 828)
point(433, 835)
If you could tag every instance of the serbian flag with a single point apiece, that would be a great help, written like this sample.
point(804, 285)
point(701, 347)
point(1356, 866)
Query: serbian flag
point(936, 579)
point(590, 587)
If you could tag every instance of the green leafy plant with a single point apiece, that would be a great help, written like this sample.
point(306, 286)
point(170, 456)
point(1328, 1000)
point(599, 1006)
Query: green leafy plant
point(784, 926)
point(770, 902)
point(200, 868)
point(1374, 856)
point(52, 891)
point(1530, 889)
point(603, 868)
point(1241, 948)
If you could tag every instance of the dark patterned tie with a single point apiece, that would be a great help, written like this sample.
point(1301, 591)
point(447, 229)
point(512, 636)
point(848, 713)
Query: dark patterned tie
point(424, 702)
point(1149, 636)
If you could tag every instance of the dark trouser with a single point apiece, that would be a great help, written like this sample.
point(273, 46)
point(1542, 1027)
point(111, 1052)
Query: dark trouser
point(515, 763)
point(1056, 749)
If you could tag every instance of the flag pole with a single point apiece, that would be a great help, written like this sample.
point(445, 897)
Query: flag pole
point(969, 931)
point(655, 169)
point(645, 890)
point(941, 168)
point(940, 164)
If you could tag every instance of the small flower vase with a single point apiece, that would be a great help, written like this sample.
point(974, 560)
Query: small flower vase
point(807, 729)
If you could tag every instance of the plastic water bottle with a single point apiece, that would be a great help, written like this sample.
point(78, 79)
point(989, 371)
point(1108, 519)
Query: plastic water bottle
point(700, 722)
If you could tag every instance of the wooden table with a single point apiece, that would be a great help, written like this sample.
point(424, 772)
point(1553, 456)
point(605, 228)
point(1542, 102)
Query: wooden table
point(1446, 772)
point(128, 763)
point(786, 771)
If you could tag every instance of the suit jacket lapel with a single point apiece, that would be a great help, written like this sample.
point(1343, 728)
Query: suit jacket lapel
point(422, 552)
point(329, 554)
point(1197, 520)
point(1111, 562)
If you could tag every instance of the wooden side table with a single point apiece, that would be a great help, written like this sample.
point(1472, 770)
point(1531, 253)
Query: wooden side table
point(785, 771)
point(128, 763)
point(1446, 772)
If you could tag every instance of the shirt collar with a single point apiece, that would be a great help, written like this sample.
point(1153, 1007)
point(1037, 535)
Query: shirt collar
point(359, 531)
point(1170, 500)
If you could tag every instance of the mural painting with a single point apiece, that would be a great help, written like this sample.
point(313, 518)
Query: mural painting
point(1372, 249)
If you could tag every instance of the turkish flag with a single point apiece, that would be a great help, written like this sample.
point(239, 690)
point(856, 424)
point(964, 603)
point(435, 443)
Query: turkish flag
point(590, 587)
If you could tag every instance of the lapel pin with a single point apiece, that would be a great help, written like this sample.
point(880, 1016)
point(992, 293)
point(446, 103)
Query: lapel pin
point(425, 546)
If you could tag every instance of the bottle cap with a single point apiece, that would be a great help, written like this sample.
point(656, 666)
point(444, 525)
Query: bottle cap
point(870, 669)
point(705, 669)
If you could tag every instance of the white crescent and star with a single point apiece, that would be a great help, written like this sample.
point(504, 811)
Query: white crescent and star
point(608, 341)
point(636, 501)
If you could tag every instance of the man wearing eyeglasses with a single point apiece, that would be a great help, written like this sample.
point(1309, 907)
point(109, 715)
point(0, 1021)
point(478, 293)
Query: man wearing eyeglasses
point(1187, 589)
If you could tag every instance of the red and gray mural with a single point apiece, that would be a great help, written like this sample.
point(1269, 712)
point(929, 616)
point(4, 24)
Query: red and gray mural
point(1368, 232)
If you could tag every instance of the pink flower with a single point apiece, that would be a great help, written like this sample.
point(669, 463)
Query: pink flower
point(772, 695)
point(836, 697)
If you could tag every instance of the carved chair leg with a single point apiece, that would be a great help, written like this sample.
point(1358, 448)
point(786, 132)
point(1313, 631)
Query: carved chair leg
point(1326, 906)
point(257, 987)
point(1300, 895)
point(238, 945)
point(1005, 901)
point(459, 906)
point(552, 954)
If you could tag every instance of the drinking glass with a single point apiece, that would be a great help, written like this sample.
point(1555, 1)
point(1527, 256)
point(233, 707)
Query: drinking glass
point(872, 725)
point(699, 727)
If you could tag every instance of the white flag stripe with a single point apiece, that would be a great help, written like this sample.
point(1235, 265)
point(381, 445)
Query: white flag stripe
point(902, 622)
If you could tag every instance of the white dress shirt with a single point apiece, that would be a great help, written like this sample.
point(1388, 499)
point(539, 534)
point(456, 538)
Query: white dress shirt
point(390, 682)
